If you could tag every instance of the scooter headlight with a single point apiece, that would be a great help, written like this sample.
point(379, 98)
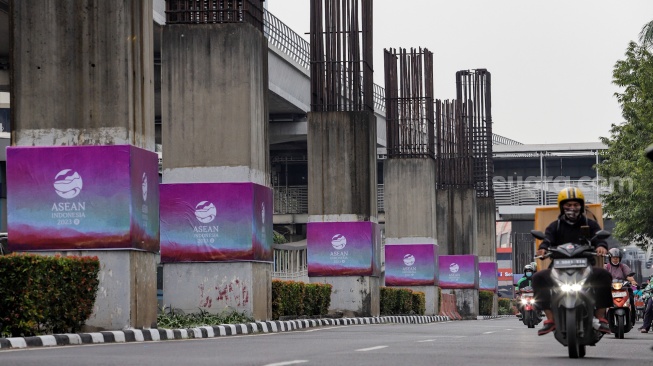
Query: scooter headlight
point(524, 301)
point(573, 287)
point(617, 285)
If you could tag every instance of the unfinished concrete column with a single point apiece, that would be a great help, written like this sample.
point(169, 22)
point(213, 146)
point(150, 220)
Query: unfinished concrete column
point(411, 249)
point(342, 233)
point(216, 198)
point(82, 177)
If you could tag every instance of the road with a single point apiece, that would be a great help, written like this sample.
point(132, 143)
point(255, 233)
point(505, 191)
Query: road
point(503, 341)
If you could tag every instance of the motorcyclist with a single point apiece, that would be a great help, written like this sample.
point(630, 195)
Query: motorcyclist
point(525, 281)
point(648, 306)
point(566, 229)
point(620, 271)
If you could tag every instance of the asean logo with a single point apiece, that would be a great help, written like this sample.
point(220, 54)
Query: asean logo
point(453, 267)
point(338, 242)
point(68, 184)
point(205, 212)
point(144, 186)
point(409, 259)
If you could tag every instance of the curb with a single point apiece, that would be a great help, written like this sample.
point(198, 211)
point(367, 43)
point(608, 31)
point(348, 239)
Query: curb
point(138, 335)
point(486, 317)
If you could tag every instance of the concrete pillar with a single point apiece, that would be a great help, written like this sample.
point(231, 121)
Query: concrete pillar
point(410, 221)
point(458, 220)
point(82, 75)
point(467, 303)
point(82, 78)
point(216, 164)
point(487, 247)
point(342, 233)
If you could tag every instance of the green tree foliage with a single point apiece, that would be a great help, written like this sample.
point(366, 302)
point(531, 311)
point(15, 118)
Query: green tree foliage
point(624, 165)
point(646, 35)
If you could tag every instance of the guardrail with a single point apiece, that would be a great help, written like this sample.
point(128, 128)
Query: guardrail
point(288, 41)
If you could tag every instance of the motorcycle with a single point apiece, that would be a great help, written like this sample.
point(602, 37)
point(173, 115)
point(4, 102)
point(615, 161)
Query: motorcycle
point(530, 314)
point(620, 315)
point(572, 301)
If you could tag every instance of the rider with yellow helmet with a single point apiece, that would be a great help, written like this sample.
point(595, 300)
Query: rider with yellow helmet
point(569, 228)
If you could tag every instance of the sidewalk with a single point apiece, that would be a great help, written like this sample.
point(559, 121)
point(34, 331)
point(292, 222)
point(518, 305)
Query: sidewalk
point(145, 335)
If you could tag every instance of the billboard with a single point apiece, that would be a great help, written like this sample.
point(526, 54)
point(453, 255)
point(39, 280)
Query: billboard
point(458, 271)
point(411, 265)
point(215, 222)
point(342, 248)
point(82, 198)
point(488, 276)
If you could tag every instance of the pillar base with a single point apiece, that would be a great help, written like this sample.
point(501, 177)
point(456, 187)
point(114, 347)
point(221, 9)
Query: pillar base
point(353, 296)
point(215, 287)
point(126, 296)
point(466, 302)
point(432, 298)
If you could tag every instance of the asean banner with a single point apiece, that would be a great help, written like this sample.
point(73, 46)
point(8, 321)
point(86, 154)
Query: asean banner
point(82, 198)
point(213, 222)
point(458, 271)
point(343, 248)
point(411, 265)
point(487, 276)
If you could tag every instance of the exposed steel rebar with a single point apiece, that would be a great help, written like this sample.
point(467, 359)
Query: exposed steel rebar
point(215, 11)
point(341, 55)
point(473, 88)
point(409, 103)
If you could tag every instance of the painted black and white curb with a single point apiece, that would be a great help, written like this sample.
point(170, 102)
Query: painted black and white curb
point(137, 335)
point(485, 317)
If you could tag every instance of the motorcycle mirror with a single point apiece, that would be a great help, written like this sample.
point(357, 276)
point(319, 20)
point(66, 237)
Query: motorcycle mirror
point(649, 152)
point(537, 234)
point(602, 235)
point(631, 274)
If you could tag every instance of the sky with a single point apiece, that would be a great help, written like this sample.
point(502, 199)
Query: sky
point(551, 61)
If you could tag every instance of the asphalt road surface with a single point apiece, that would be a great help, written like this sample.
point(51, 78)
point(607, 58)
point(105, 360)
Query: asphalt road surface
point(504, 341)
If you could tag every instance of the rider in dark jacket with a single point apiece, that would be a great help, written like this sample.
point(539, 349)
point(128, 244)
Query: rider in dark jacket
point(568, 229)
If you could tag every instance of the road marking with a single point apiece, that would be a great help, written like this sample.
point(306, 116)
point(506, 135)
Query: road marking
point(370, 349)
point(287, 363)
point(318, 329)
point(488, 332)
point(433, 340)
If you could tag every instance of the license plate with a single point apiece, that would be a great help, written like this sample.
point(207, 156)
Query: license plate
point(570, 263)
point(619, 294)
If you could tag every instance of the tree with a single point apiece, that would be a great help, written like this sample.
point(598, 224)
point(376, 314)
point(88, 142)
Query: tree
point(624, 166)
point(646, 35)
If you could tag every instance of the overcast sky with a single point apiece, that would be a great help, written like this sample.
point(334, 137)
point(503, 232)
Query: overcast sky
point(551, 61)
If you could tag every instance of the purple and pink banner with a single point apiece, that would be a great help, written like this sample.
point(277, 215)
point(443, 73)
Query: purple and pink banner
point(82, 198)
point(411, 265)
point(342, 248)
point(215, 222)
point(488, 276)
point(458, 271)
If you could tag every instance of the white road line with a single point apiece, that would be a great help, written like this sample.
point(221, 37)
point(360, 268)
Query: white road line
point(319, 329)
point(434, 340)
point(370, 349)
point(488, 332)
point(287, 363)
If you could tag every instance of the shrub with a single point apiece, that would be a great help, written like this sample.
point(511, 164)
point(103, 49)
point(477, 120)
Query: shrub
point(46, 294)
point(505, 307)
point(291, 298)
point(485, 302)
point(395, 301)
point(170, 318)
point(419, 303)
